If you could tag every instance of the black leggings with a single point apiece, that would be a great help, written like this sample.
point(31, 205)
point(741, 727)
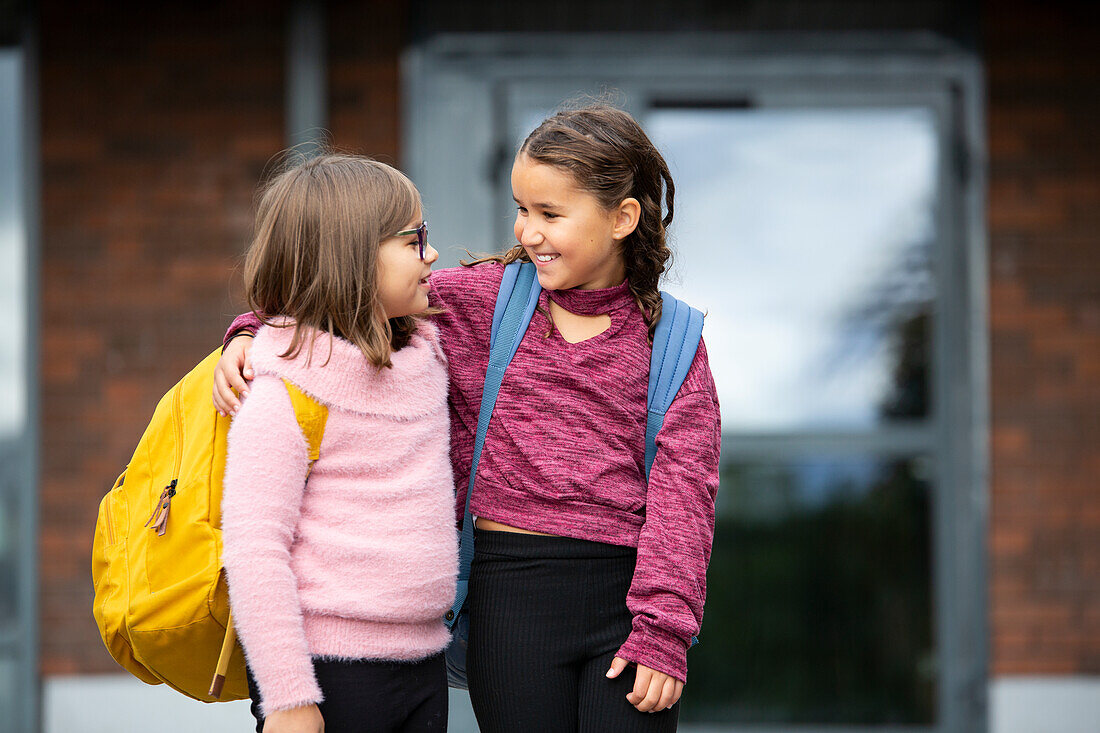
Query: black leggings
point(547, 615)
point(365, 696)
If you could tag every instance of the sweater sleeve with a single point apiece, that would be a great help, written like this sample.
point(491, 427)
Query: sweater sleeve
point(244, 323)
point(669, 586)
point(265, 473)
point(467, 297)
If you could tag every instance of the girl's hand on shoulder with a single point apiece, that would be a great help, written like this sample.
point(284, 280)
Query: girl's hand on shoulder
point(304, 719)
point(653, 691)
point(232, 374)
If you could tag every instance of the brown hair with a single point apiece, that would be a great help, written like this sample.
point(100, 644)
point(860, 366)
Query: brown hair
point(609, 156)
point(313, 256)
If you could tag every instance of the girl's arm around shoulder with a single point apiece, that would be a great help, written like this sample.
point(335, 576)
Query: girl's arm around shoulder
point(234, 369)
point(669, 587)
point(247, 323)
point(465, 287)
point(465, 297)
point(265, 474)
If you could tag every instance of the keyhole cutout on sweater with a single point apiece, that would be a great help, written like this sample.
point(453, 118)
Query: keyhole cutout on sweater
point(574, 328)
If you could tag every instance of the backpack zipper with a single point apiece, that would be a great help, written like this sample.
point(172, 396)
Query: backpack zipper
point(177, 423)
point(159, 518)
point(160, 514)
point(109, 524)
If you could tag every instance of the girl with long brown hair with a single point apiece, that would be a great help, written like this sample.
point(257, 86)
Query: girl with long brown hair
point(341, 562)
point(582, 567)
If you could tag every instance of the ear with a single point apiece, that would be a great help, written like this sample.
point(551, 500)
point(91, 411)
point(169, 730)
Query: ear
point(627, 216)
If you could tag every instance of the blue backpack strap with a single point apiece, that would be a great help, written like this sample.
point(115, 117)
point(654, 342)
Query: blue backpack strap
point(520, 281)
point(516, 301)
point(675, 341)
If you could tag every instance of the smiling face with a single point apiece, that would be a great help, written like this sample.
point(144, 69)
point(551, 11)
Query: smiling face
point(402, 275)
point(574, 242)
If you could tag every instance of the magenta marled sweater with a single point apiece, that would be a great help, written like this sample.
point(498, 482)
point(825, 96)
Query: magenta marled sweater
point(361, 564)
point(565, 450)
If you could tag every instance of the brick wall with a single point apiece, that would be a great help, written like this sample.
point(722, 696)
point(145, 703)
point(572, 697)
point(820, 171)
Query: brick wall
point(365, 41)
point(156, 125)
point(1044, 233)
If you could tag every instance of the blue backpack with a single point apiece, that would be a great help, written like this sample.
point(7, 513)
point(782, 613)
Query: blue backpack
point(675, 341)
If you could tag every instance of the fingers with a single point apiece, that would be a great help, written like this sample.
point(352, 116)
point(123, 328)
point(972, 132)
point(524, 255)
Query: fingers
point(652, 695)
point(234, 366)
point(618, 664)
point(669, 695)
point(227, 378)
point(654, 691)
point(220, 404)
point(636, 697)
point(231, 375)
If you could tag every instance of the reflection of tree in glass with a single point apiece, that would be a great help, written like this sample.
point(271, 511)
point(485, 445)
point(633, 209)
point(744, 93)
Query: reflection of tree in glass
point(820, 615)
point(894, 310)
point(908, 395)
point(8, 533)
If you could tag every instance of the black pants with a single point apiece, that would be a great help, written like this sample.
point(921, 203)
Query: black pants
point(364, 696)
point(547, 615)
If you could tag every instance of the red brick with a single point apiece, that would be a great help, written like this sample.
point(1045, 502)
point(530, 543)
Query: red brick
point(1044, 199)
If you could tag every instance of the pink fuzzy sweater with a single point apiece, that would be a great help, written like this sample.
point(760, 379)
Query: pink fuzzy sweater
point(360, 562)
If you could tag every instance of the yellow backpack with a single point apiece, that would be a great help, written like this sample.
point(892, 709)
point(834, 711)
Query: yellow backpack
point(161, 601)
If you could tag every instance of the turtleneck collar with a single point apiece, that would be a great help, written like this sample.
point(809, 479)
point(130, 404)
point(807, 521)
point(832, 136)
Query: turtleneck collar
point(593, 302)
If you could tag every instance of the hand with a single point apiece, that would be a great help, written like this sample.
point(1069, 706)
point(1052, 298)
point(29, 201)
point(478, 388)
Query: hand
point(653, 691)
point(231, 373)
point(304, 719)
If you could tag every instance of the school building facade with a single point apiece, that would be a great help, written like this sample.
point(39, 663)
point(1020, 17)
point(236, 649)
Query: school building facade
point(888, 209)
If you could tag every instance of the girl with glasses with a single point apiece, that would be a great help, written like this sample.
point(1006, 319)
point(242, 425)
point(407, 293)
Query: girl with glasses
point(340, 569)
point(588, 580)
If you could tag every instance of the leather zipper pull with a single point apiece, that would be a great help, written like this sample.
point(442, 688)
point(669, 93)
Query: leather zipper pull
point(159, 519)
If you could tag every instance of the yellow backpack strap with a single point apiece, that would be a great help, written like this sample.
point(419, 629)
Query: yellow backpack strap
point(311, 416)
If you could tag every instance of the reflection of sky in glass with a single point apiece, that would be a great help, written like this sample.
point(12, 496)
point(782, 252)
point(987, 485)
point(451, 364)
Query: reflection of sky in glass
point(793, 228)
point(12, 236)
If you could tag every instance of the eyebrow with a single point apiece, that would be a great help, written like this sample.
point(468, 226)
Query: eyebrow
point(539, 205)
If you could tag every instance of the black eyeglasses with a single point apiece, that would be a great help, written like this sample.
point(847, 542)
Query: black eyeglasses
point(421, 233)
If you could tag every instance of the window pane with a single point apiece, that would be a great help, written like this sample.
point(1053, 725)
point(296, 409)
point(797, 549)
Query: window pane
point(819, 596)
point(12, 238)
point(16, 675)
point(806, 234)
point(9, 551)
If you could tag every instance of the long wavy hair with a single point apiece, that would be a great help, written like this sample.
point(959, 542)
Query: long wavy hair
point(608, 155)
point(314, 253)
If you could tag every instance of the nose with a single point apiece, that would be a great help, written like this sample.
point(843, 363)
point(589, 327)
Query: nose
point(527, 233)
point(430, 254)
